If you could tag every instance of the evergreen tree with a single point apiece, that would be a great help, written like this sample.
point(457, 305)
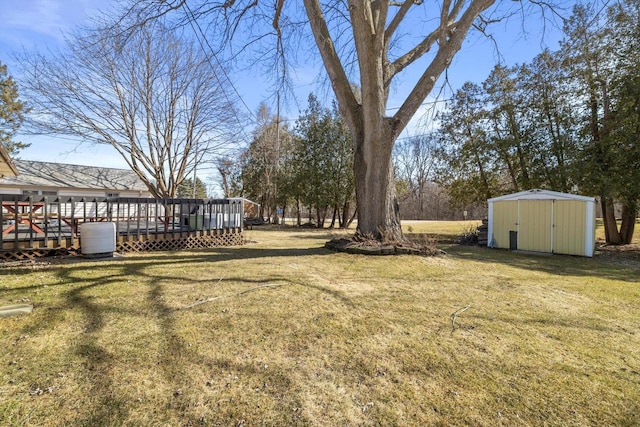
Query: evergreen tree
point(469, 169)
point(323, 163)
point(186, 190)
point(12, 111)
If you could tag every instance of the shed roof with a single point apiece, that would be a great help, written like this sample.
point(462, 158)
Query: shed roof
point(7, 168)
point(59, 175)
point(538, 194)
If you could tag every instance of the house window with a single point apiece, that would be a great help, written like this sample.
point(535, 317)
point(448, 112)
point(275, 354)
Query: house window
point(29, 192)
point(49, 193)
point(113, 194)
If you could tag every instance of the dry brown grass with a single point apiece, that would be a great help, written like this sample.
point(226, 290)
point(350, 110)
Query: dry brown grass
point(343, 340)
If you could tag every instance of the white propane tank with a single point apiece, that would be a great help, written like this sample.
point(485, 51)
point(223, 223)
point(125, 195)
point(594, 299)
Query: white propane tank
point(98, 239)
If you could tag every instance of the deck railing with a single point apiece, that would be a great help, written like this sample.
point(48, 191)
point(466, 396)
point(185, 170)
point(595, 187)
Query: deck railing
point(50, 221)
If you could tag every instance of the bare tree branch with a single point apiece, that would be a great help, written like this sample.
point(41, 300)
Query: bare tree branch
point(397, 19)
point(349, 106)
point(439, 63)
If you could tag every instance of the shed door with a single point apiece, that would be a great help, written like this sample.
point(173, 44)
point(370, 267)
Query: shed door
point(534, 225)
point(505, 219)
point(570, 224)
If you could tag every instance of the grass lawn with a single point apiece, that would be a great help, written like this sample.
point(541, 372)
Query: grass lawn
point(283, 332)
point(441, 231)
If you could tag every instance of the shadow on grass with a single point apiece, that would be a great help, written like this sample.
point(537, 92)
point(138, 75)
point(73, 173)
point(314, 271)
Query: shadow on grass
point(248, 253)
point(557, 265)
point(76, 285)
point(540, 323)
point(104, 406)
point(108, 405)
point(135, 264)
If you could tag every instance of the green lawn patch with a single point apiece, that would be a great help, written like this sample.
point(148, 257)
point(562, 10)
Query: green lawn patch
point(285, 332)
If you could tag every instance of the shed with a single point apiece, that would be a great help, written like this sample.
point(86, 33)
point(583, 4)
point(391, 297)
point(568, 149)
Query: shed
point(543, 221)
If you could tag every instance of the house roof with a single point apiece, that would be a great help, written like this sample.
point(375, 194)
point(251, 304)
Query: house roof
point(7, 168)
point(59, 175)
point(537, 194)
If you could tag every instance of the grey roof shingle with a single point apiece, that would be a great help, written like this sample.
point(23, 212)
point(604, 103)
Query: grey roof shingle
point(59, 175)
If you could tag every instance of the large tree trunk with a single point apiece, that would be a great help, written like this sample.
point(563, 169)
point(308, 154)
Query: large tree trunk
point(378, 212)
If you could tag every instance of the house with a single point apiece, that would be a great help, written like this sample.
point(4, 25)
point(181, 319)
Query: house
point(7, 168)
point(57, 179)
point(45, 207)
point(543, 221)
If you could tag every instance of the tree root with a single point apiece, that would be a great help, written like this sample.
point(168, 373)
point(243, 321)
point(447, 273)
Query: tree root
point(361, 246)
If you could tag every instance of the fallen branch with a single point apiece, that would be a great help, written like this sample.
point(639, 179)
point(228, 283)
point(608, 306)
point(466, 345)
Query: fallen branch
point(197, 303)
point(455, 315)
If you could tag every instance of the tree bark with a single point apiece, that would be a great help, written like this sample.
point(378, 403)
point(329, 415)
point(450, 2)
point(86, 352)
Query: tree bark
point(628, 223)
point(353, 217)
point(333, 217)
point(344, 223)
point(612, 236)
point(378, 216)
point(378, 212)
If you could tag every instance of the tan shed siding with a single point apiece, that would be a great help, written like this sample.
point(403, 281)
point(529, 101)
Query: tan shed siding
point(505, 218)
point(570, 220)
point(534, 228)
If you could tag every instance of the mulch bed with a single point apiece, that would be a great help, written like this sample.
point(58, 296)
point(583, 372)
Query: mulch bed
point(375, 247)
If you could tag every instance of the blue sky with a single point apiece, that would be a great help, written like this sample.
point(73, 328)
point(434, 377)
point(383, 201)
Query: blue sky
point(41, 24)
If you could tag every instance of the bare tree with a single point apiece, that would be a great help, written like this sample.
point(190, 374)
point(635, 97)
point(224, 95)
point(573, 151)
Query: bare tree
point(372, 30)
point(374, 25)
point(415, 163)
point(152, 96)
point(262, 161)
point(226, 167)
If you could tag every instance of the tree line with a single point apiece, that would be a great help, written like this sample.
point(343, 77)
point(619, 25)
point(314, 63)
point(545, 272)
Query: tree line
point(307, 167)
point(567, 121)
point(370, 45)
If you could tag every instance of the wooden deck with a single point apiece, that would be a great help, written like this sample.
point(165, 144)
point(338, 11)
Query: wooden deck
point(38, 225)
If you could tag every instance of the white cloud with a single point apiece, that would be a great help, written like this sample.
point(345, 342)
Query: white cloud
point(39, 16)
point(43, 20)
